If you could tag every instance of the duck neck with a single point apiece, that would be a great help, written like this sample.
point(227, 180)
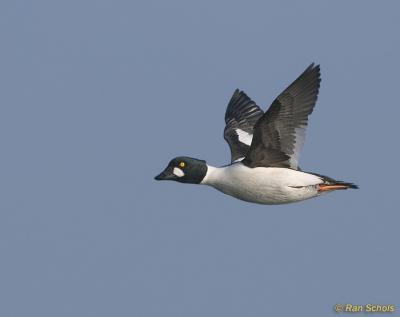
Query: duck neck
point(211, 175)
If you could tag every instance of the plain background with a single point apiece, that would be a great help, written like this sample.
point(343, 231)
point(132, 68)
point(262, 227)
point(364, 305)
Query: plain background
point(96, 98)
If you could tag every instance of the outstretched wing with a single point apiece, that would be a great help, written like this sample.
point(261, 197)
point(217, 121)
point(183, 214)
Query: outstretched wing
point(279, 134)
point(241, 115)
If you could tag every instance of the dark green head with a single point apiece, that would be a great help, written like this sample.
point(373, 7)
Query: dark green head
point(184, 170)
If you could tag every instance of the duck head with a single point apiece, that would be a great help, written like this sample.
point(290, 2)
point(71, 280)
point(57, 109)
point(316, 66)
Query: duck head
point(184, 169)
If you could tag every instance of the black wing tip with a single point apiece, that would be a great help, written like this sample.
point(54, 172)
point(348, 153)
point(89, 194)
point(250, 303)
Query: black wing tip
point(237, 94)
point(314, 70)
point(232, 102)
point(310, 79)
point(314, 66)
point(238, 102)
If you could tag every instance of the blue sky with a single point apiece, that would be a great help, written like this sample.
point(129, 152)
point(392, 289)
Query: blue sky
point(97, 96)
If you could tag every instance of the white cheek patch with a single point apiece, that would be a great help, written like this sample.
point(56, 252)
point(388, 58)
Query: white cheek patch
point(178, 172)
point(244, 137)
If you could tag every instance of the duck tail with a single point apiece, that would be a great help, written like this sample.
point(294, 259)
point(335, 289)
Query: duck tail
point(341, 185)
point(330, 184)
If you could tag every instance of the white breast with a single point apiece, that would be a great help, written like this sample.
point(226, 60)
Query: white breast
point(263, 185)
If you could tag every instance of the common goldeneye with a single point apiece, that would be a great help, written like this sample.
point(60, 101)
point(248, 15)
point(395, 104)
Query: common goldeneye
point(264, 168)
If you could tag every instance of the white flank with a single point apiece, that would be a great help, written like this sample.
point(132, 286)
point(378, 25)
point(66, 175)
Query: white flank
point(244, 137)
point(263, 185)
point(178, 172)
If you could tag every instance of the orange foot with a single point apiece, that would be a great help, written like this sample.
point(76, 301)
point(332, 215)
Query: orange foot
point(326, 188)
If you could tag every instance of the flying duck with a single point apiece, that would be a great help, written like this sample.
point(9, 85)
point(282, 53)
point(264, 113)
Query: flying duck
point(265, 149)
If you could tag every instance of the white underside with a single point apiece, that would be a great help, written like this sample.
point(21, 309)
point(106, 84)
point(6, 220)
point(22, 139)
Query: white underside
point(263, 185)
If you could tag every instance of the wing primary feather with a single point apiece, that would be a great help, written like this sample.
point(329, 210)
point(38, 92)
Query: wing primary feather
point(282, 128)
point(241, 114)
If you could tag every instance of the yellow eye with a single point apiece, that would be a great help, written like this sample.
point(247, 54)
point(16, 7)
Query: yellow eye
point(182, 164)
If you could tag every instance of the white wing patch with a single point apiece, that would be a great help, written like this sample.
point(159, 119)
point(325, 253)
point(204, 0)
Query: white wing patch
point(178, 172)
point(238, 160)
point(244, 136)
